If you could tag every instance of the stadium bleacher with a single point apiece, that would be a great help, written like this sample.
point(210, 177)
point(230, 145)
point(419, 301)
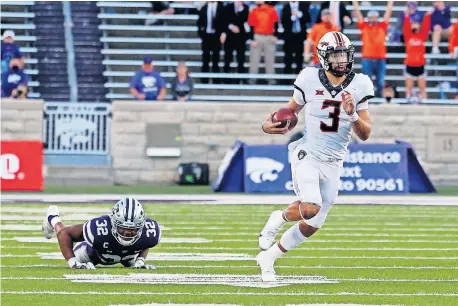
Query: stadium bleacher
point(126, 40)
point(125, 45)
point(17, 16)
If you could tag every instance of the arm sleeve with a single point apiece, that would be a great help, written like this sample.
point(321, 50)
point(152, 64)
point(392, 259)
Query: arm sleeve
point(300, 86)
point(366, 92)
point(87, 233)
point(361, 24)
point(18, 53)
point(25, 79)
point(406, 28)
point(133, 81)
point(425, 27)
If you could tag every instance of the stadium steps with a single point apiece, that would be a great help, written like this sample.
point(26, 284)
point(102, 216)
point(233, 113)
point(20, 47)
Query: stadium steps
point(52, 55)
point(88, 57)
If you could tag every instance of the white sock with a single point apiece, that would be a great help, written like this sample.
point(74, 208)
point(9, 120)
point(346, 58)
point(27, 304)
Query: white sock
point(277, 219)
point(54, 221)
point(292, 238)
point(274, 251)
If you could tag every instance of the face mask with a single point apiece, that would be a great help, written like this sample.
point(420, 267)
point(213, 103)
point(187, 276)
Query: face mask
point(388, 99)
point(15, 68)
point(415, 31)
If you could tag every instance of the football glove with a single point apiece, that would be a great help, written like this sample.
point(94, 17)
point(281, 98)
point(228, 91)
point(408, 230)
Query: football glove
point(75, 264)
point(140, 264)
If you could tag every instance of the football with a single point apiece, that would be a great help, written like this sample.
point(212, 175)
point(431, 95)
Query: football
point(285, 115)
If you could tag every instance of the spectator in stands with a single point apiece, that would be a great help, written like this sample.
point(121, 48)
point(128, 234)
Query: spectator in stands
point(453, 49)
point(14, 81)
point(340, 17)
point(373, 36)
point(441, 24)
point(389, 92)
point(235, 35)
point(147, 83)
point(411, 11)
point(159, 8)
point(264, 22)
point(415, 34)
point(295, 16)
point(10, 50)
point(316, 32)
point(209, 28)
point(182, 84)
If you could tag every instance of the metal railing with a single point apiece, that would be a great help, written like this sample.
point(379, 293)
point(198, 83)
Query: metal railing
point(77, 128)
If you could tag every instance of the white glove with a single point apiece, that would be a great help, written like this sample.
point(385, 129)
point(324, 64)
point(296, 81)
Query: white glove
point(75, 264)
point(140, 264)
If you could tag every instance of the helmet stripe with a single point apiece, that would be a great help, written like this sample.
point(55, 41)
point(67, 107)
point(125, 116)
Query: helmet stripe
point(126, 212)
point(335, 37)
point(341, 40)
point(133, 209)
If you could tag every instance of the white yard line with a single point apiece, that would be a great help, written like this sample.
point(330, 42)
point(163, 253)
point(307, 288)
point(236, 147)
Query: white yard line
point(38, 239)
point(233, 199)
point(184, 256)
point(295, 293)
point(405, 280)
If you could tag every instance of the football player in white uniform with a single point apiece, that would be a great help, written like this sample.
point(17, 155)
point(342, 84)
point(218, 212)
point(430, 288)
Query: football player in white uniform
point(335, 100)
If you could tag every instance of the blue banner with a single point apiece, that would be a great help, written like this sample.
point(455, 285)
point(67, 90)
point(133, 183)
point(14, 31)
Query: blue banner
point(368, 169)
point(375, 168)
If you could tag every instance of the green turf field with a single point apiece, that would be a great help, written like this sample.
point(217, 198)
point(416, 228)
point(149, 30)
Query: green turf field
point(378, 255)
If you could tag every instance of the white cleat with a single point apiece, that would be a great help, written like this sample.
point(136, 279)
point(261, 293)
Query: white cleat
point(48, 230)
point(270, 231)
point(266, 264)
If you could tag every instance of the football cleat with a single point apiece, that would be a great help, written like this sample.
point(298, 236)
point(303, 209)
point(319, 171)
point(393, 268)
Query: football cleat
point(270, 230)
point(266, 263)
point(48, 230)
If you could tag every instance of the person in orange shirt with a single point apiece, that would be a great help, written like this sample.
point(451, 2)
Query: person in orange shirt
point(453, 48)
point(373, 34)
point(316, 33)
point(264, 23)
point(415, 35)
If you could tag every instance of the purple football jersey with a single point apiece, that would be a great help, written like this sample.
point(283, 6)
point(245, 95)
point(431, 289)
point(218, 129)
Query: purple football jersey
point(106, 250)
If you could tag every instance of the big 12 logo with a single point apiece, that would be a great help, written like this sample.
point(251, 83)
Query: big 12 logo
point(10, 165)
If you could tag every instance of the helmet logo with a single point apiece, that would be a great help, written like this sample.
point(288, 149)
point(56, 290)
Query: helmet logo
point(324, 44)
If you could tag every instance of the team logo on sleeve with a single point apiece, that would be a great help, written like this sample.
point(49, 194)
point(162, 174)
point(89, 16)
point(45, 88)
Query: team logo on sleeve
point(301, 154)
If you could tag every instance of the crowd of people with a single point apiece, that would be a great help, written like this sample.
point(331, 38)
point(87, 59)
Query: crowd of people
point(233, 25)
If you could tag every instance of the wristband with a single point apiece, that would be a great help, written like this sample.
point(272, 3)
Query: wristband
point(262, 126)
point(71, 262)
point(353, 117)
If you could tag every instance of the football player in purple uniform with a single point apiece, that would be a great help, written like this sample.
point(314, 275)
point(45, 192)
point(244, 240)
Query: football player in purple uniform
point(124, 236)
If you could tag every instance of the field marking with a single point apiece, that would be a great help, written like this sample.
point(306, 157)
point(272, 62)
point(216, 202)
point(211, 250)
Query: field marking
point(170, 304)
point(173, 256)
point(38, 239)
point(183, 256)
point(63, 265)
point(251, 281)
point(231, 199)
point(295, 293)
point(37, 227)
point(339, 305)
point(377, 280)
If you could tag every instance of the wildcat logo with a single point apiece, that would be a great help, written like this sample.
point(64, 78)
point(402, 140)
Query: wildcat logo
point(324, 43)
point(261, 169)
point(319, 92)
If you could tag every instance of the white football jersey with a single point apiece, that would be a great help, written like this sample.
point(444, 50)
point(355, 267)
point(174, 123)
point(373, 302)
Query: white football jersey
point(327, 126)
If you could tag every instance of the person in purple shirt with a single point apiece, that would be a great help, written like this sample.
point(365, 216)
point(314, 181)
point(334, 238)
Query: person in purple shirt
point(123, 236)
point(10, 50)
point(441, 24)
point(147, 83)
point(14, 81)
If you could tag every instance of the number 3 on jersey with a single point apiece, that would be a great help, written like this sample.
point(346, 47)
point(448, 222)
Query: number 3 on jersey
point(334, 114)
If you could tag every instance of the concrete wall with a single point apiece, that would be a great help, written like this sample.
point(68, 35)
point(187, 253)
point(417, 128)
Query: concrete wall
point(21, 119)
point(209, 129)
